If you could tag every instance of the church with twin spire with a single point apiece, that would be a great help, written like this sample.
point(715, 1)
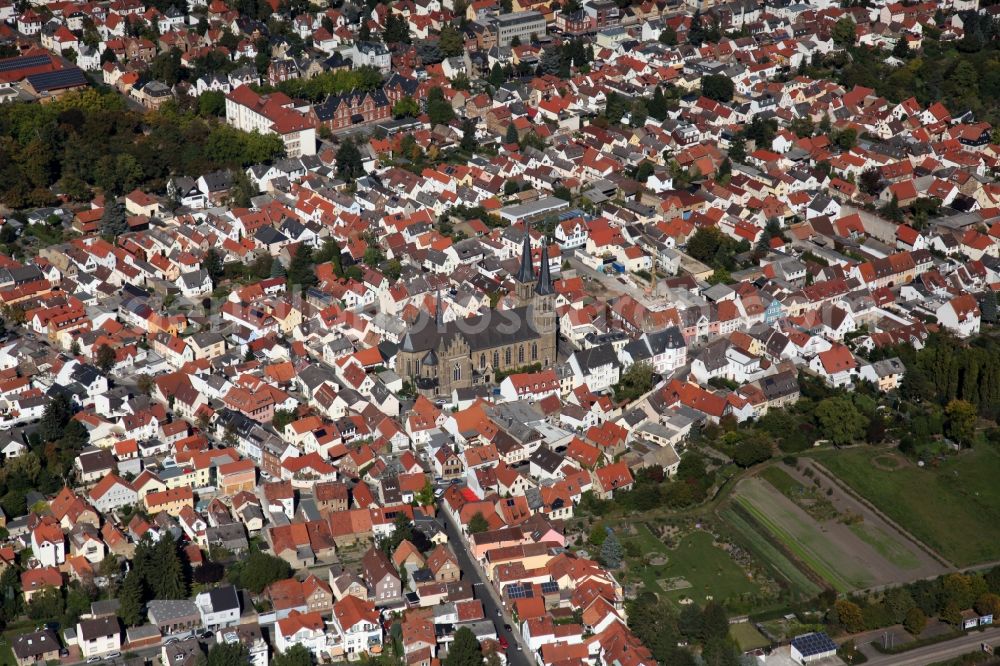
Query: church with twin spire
point(439, 357)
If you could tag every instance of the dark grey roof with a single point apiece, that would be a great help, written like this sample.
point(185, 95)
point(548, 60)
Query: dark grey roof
point(668, 338)
point(496, 328)
point(780, 385)
point(99, 627)
point(224, 598)
point(596, 357)
point(34, 644)
point(527, 272)
point(546, 459)
point(544, 286)
point(268, 235)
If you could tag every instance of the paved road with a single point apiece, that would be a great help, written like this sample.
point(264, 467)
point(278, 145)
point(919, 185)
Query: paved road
point(937, 652)
point(492, 605)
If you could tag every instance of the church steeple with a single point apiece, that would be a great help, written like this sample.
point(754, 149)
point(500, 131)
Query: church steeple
point(544, 286)
point(527, 271)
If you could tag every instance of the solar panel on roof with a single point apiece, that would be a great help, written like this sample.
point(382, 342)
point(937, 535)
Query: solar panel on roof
point(519, 592)
point(63, 78)
point(23, 62)
point(549, 587)
point(813, 644)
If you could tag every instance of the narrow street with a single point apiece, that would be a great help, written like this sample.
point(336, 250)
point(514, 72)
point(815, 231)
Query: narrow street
point(492, 604)
point(932, 653)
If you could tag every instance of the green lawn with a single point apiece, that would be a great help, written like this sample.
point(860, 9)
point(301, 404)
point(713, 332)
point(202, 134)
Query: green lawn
point(750, 536)
point(805, 497)
point(709, 570)
point(954, 508)
point(801, 535)
point(886, 545)
point(783, 481)
point(747, 636)
point(6, 653)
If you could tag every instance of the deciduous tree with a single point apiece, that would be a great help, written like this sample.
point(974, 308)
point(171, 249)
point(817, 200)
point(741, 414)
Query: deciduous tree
point(478, 523)
point(105, 358)
point(915, 621)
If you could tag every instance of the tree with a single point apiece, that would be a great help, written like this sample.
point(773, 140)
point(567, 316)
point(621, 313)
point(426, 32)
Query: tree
point(166, 575)
point(611, 552)
point(668, 36)
point(725, 171)
point(397, 29)
point(439, 110)
point(717, 87)
point(551, 61)
point(225, 654)
point(738, 149)
point(281, 418)
point(715, 622)
point(426, 495)
point(657, 107)
point(915, 621)
point(145, 383)
point(752, 451)
point(465, 650)
point(510, 136)
point(402, 530)
point(46, 604)
point(213, 264)
point(300, 269)
point(105, 358)
point(450, 41)
point(498, 76)
point(849, 616)
point(297, 655)
point(478, 523)
point(643, 171)
point(870, 181)
point(349, 162)
point(892, 211)
point(960, 589)
point(11, 598)
point(898, 601)
point(55, 417)
point(166, 67)
point(691, 622)
point(638, 113)
point(902, 49)
point(952, 614)
point(840, 420)
point(113, 220)
point(846, 139)
point(468, 142)
point(705, 243)
point(130, 599)
point(406, 107)
point(330, 251)
point(258, 571)
point(635, 382)
point(961, 422)
point(844, 32)
point(242, 190)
